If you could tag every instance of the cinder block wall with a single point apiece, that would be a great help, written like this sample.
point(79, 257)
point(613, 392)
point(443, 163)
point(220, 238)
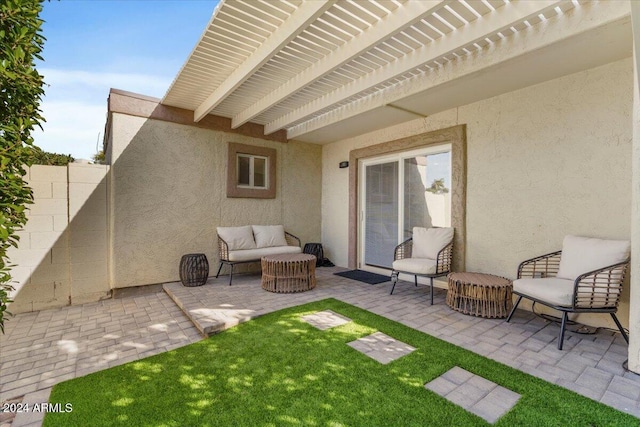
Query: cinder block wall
point(62, 255)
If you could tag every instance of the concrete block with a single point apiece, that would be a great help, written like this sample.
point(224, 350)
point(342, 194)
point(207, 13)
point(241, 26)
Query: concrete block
point(60, 222)
point(35, 292)
point(48, 173)
point(88, 239)
point(59, 190)
point(44, 239)
point(42, 189)
point(39, 223)
point(48, 207)
point(50, 274)
point(87, 173)
point(20, 276)
point(83, 254)
point(29, 257)
point(89, 270)
point(17, 307)
point(54, 303)
point(88, 222)
point(87, 199)
point(24, 239)
point(92, 289)
point(60, 255)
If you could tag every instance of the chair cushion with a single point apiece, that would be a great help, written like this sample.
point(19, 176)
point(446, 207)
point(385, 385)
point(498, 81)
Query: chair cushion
point(237, 237)
point(256, 254)
point(415, 265)
point(427, 242)
point(550, 289)
point(269, 235)
point(584, 254)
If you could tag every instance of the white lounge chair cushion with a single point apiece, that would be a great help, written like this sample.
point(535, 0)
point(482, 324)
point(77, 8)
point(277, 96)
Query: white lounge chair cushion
point(427, 242)
point(415, 265)
point(552, 290)
point(237, 238)
point(256, 254)
point(584, 254)
point(269, 235)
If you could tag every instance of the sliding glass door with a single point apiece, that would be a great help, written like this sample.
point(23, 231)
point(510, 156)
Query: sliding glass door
point(397, 193)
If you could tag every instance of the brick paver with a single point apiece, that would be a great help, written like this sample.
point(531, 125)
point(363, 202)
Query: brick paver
point(326, 319)
point(381, 347)
point(43, 348)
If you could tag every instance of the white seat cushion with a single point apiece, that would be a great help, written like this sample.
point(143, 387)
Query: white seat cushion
point(550, 289)
point(269, 235)
point(584, 254)
point(256, 254)
point(237, 238)
point(415, 265)
point(427, 242)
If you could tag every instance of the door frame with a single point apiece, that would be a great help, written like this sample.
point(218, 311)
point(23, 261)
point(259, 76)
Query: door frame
point(457, 137)
point(399, 157)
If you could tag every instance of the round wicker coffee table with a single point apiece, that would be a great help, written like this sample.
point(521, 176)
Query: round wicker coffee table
point(288, 273)
point(479, 294)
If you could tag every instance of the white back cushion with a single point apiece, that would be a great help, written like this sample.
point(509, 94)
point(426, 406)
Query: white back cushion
point(584, 254)
point(427, 242)
point(237, 237)
point(269, 235)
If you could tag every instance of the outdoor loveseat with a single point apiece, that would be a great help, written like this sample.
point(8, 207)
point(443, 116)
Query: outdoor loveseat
point(249, 243)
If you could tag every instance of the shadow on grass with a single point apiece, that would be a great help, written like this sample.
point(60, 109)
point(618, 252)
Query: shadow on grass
point(279, 370)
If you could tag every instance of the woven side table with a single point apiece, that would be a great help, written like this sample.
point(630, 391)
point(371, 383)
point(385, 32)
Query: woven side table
point(194, 269)
point(478, 294)
point(288, 273)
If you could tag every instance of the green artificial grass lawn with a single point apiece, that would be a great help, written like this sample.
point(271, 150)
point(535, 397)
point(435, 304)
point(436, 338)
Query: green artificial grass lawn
point(277, 370)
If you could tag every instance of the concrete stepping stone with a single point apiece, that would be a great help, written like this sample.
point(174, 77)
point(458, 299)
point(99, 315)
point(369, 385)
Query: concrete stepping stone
point(381, 347)
point(477, 395)
point(325, 319)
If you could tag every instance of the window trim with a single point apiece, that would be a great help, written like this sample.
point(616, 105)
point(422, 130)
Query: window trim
point(234, 190)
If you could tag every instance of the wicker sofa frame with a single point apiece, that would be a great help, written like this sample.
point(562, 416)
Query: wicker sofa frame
point(595, 291)
point(223, 253)
point(443, 264)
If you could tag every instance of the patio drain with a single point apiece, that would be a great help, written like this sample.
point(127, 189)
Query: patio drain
point(325, 319)
point(477, 395)
point(381, 347)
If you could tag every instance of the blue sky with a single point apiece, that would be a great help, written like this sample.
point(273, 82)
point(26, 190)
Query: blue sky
point(95, 45)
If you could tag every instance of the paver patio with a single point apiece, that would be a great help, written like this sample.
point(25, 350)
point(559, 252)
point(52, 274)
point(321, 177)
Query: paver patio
point(43, 348)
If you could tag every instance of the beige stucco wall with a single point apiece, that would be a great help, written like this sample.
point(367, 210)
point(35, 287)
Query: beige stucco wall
point(61, 258)
point(542, 162)
point(168, 195)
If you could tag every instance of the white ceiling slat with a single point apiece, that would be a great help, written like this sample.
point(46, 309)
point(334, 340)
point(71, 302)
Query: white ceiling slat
point(320, 31)
point(300, 19)
point(357, 11)
point(247, 23)
point(364, 41)
point(517, 11)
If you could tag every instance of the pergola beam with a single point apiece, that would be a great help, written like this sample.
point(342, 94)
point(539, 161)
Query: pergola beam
point(410, 13)
point(300, 19)
point(497, 20)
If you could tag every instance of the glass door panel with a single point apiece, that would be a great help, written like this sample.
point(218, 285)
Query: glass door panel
point(427, 200)
point(381, 213)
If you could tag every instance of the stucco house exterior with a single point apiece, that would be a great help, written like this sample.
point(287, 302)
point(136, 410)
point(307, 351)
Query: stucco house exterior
point(533, 103)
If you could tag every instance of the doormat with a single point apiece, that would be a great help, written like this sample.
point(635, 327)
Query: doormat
point(364, 276)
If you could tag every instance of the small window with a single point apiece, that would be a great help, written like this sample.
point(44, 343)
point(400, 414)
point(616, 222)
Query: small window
point(251, 171)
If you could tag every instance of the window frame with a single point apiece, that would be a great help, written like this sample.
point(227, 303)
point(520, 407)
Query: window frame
point(236, 190)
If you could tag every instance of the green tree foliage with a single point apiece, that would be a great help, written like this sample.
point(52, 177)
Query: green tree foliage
point(21, 90)
point(438, 187)
point(50, 159)
point(100, 158)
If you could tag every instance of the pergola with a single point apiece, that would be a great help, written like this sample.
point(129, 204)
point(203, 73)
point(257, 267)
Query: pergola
point(327, 70)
